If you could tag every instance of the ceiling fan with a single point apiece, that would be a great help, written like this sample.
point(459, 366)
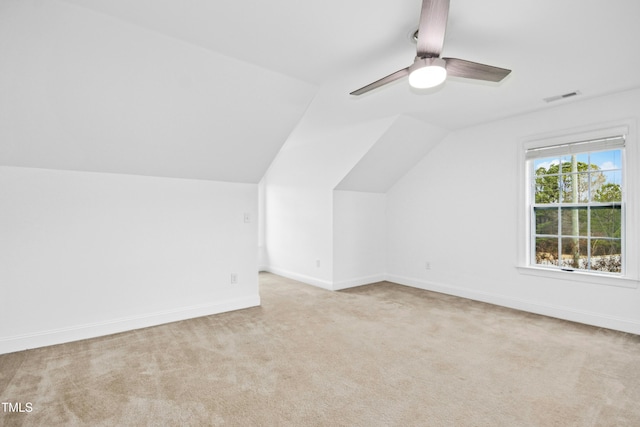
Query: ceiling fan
point(428, 69)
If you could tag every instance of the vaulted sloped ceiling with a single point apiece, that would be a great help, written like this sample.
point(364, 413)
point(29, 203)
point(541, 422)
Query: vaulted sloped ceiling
point(213, 89)
point(404, 143)
point(85, 91)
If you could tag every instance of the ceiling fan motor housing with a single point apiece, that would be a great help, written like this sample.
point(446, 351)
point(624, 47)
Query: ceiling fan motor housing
point(427, 62)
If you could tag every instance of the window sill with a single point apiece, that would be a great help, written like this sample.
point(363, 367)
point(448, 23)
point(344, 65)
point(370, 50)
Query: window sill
point(580, 276)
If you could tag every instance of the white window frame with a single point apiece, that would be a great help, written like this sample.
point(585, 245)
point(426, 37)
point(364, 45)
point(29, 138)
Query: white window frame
point(630, 176)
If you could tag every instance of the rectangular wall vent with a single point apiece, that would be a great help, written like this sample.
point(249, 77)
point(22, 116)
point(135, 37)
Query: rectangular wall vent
point(559, 97)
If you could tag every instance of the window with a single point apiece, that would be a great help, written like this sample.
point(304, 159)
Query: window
point(576, 206)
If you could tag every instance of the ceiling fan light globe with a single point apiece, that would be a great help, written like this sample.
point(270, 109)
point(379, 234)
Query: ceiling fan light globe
point(427, 77)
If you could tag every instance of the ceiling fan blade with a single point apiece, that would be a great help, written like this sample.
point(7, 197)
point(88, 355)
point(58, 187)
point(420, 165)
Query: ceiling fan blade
point(433, 25)
point(473, 70)
point(383, 81)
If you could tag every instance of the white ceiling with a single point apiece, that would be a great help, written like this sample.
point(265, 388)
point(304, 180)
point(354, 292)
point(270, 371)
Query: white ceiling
point(553, 47)
point(308, 56)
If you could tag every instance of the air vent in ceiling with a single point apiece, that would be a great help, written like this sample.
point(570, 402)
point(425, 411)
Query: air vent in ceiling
point(563, 96)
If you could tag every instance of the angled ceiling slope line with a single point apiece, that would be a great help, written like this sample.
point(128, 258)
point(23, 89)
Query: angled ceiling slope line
point(400, 148)
point(320, 160)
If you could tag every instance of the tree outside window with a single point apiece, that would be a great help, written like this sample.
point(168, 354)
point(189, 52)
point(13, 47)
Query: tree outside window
point(577, 211)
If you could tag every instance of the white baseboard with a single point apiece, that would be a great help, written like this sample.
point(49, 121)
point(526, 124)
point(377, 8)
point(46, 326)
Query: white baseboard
point(324, 284)
point(566, 313)
point(358, 281)
point(75, 333)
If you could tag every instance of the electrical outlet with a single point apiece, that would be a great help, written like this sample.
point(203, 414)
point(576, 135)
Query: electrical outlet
point(318, 263)
point(427, 265)
point(234, 278)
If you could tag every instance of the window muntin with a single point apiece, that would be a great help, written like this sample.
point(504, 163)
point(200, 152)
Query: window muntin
point(576, 206)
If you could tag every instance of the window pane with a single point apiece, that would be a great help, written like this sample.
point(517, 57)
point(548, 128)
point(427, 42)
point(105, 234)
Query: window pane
point(574, 221)
point(575, 188)
point(543, 166)
point(546, 251)
point(602, 247)
point(583, 187)
point(577, 207)
point(546, 220)
point(582, 160)
point(606, 186)
point(574, 253)
point(566, 166)
point(606, 255)
point(547, 189)
point(606, 221)
point(606, 160)
point(566, 189)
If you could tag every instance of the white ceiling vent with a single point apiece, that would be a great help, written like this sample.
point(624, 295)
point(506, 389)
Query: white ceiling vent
point(563, 96)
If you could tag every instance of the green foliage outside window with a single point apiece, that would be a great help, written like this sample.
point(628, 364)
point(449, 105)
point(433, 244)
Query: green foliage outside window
point(578, 215)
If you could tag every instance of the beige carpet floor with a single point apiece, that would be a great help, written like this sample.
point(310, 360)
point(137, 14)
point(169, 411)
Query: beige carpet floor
point(377, 355)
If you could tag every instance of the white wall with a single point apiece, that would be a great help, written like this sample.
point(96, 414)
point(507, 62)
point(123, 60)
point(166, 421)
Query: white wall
point(263, 259)
point(298, 228)
point(458, 209)
point(299, 199)
point(359, 231)
point(85, 254)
